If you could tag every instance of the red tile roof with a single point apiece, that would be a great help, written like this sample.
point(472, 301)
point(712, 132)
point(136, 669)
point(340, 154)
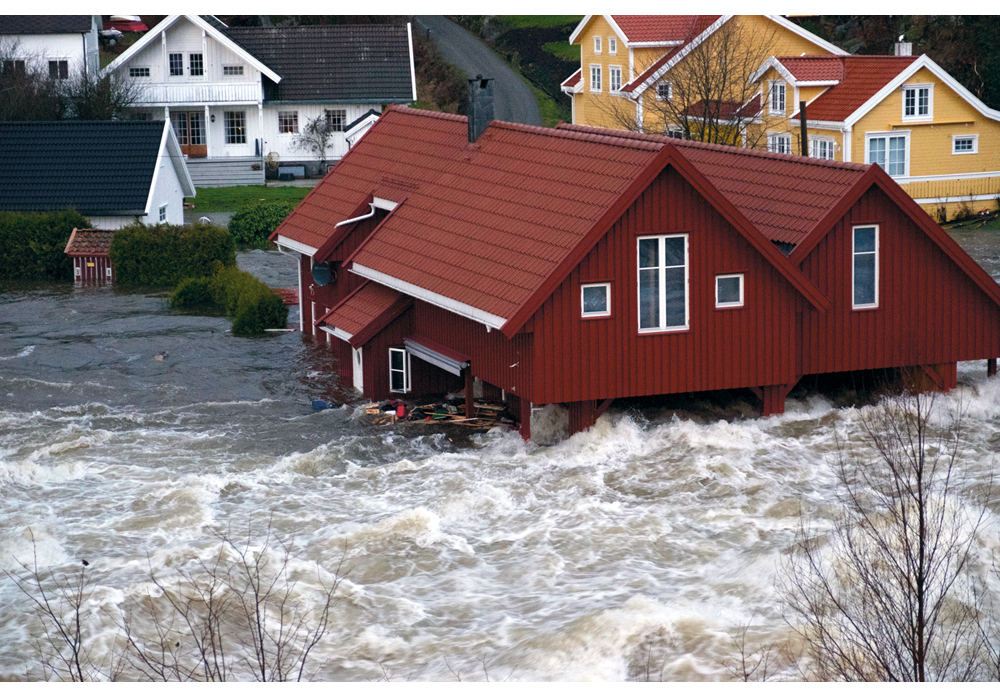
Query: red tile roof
point(647, 28)
point(651, 70)
point(724, 111)
point(487, 224)
point(863, 77)
point(814, 68)
point(359, 309)
point(89, 242)
point(573, 80)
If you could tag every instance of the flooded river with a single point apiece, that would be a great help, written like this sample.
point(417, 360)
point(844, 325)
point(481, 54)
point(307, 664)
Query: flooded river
point(652, 534)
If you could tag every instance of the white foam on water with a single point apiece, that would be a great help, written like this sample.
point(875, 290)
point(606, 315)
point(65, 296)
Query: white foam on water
point(23, 353)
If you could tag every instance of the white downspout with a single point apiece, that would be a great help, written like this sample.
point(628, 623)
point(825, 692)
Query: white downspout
point(846, 149)
point(367, 215)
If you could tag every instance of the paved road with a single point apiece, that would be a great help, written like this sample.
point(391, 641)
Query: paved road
point(512, 99)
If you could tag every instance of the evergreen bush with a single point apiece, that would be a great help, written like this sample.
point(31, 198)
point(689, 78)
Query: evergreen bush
point(32, 245)
point(253, 306)
point(253, 224)
point(191, 292)
point(164, 255)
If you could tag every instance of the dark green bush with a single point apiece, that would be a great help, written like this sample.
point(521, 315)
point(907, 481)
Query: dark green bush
point(32, 245)
point(253, 306)
point(164, 255)
point(254, 223)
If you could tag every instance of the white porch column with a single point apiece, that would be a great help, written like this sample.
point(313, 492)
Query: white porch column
point(260, 123)
point(166, 113)
point(208, 141)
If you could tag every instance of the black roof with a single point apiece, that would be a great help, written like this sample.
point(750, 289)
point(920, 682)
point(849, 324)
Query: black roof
point(214, 21)
point(96, 167)
point(346, 63)
point(45, 24)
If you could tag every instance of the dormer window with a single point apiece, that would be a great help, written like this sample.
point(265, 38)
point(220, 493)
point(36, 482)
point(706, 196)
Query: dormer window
point(597, 44)
point(777, 103)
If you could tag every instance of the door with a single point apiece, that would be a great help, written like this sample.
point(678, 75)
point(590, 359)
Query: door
point(190, 129)
point(359, 373)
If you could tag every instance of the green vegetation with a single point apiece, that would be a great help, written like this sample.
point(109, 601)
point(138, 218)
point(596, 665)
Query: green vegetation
point(563, 50)
point(540, 21)
point(254, 223)
point(552, 111)
point(253, 306)
point(233, 198)
point(441, 85)
point(164, 255)
point(32, 245)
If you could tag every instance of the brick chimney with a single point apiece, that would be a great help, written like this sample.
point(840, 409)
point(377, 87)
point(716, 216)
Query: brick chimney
point(480, 106)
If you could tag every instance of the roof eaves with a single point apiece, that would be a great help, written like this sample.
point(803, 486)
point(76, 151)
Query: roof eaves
point(693, 44)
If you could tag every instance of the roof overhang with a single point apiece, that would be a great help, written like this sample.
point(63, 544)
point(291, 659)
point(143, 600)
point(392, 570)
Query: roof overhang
point(621, 34)
point(291, 244)
point(692, 45)
point(436, 354)
point(200, 23)
point(170, 148)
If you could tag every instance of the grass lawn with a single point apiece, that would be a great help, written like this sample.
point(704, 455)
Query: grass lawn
point(975, 225)
point(524, 21)
point(232, 198)
point(562, 49)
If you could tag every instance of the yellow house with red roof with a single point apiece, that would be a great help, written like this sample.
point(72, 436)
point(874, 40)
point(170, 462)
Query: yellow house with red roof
point(627, 61)
point(905, 113)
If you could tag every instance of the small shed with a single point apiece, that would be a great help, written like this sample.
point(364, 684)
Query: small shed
point(89, 250)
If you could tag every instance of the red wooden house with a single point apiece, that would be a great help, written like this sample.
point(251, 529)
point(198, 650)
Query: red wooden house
point(578, 265)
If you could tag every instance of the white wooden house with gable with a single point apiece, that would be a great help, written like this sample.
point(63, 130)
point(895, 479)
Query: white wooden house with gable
point(237, 94)
point(60, 46)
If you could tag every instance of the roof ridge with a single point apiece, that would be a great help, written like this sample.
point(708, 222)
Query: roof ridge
point(841, 58)
point(610, 138)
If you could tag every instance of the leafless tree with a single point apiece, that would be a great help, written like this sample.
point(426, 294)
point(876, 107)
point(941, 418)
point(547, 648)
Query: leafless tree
point(709, 94)
point(750, 664)
point(315, 138)
point(896, 590)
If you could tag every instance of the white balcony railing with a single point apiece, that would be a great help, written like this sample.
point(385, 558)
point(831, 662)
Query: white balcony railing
point(198, 93)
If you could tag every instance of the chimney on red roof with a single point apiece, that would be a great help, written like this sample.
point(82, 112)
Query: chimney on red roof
point(480, 106)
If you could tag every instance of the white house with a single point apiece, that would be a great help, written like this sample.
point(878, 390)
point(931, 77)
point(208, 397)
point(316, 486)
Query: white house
point(64, 46)
point(112, 172)
point(236, 95)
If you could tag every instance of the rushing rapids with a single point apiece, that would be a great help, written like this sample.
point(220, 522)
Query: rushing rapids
point(654, 534)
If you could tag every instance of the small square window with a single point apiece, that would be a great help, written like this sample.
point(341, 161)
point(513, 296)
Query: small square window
point(664, 91)
point(336, 119)
point(163, 214)
point(729, 290)
point(288, 122)
point(595, 299)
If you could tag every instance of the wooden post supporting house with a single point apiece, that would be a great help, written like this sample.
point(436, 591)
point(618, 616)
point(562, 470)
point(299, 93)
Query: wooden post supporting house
point(470, 389)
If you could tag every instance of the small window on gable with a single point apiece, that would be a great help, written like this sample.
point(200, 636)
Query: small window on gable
point(399, 370)
point(918, 102)
point(597, 44)
point(864, 270)
point(777, 101)
point(595, 300)
point(232, 70)
point(729, 290)
point(176, 64)
point(197, 64)
point(163, 214)
point(664, 91)
point(964, 145)
point(138, 72)
point(612, 46)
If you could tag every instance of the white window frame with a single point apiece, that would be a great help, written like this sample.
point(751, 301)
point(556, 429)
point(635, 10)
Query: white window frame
point(772, 140)
point(670, 91)
point(235, 127)
point(175, 65)
point(597, 45)
point(917, 116)
point(874, 135)
point(288, 116)
point(830, 146)
point(191, 64)
point(772, 92)
point(854, 229)
point(336, 120)
point(661, 327)
point(612, 46)
point(136, 71)
point(725, 306)
point(595, 70)
point(407, 386)
point(674, 132)
point(974, 137)
point(612, 70)
point(163, 214)
point(607, 297)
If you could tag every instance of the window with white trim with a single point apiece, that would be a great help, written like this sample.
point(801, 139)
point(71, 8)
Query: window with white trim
point(779, 142)
point(236, 127)
point(612, 46)
point(597, 44)
point(196, 64)
point(399, 370)
point(674, 132)
point(176, 64)
point(664, 91)
point(777, 97)
point(138, 72)
point(864, 270)
point(614, 78)
point(965, 145)
point(823, 148)
point(918, 102)
point(729, 290)
point(288, 122)
point(163, 214)
point(232, 70)
point(595, 300)
point(58, 70)
point(890, 151)
point(663, 282)
point(595, 78)
point(336, 119)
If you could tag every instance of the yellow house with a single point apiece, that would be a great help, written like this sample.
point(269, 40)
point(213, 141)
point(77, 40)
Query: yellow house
point(632, 66)
point(905, 113)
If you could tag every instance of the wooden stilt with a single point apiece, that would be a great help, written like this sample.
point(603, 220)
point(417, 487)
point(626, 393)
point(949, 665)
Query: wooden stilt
point(470, 387)
point(525, 411)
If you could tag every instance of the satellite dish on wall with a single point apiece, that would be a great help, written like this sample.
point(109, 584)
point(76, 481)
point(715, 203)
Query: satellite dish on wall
point(322, 274)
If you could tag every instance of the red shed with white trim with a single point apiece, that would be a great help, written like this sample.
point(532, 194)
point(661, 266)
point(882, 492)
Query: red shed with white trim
point(579, 265)
point(89, 249)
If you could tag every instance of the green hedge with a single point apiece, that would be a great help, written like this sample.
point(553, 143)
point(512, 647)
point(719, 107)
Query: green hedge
point(164, 255)
point(32, 245)
point(254, 223)
point(253, 306)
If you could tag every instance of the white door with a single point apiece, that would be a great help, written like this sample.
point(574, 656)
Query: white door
point(358, 370)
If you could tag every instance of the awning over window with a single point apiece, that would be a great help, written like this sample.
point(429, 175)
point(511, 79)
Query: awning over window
point(436, 354)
